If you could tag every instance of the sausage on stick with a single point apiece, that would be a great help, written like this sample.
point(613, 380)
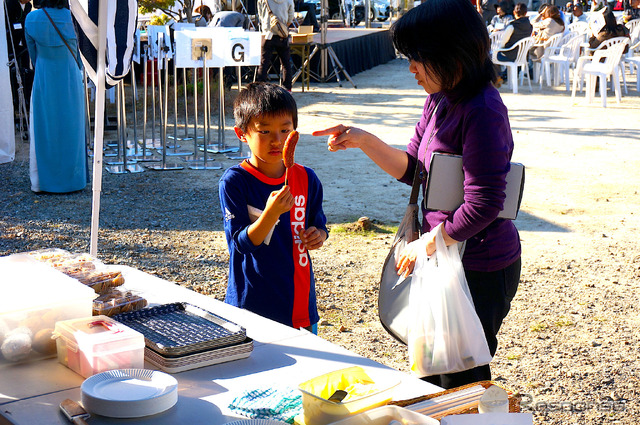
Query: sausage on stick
point(288, 153)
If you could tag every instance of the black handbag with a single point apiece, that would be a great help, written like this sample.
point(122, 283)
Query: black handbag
point(393, 291)
point(393, 294)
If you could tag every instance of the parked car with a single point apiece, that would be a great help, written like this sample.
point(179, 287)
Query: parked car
point(379, 10)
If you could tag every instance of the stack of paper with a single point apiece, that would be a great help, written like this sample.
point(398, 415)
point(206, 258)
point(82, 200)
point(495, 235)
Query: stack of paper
point(451, 403)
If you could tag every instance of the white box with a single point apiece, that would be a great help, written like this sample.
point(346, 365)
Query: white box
point(34, 297)
point(96, 344)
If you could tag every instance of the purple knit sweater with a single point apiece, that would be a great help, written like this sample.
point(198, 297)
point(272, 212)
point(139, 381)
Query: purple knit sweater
point(478, 129)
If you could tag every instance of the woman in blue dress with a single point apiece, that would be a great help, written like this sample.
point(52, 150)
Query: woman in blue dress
point(58, 160)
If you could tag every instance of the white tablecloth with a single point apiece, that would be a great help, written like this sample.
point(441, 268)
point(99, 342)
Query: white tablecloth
point(30, 393)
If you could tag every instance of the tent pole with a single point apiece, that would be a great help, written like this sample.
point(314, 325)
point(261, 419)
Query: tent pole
point(99, 127)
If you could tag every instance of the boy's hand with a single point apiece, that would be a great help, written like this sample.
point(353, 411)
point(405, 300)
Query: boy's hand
point(312, 238)
point(279, 202)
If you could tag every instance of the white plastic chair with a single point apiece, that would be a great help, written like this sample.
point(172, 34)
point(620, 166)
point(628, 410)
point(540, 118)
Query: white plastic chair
point(602, 70)
point(563, 57)
point(579, 28)
point(634, 61)
point(550, 43)
point(634, 45)
point(496, 40)
point(603, 46)
point(632, 25)
point(522, 47)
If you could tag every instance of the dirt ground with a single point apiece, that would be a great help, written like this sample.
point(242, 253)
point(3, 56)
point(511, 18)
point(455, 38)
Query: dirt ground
point(570, 343)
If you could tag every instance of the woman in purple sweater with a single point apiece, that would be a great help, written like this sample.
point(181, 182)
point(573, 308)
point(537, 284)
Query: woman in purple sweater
point(463, 115)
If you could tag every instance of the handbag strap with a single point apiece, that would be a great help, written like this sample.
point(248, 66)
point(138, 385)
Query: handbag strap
point(269, 9)
point(417, 178)
point(63, 39)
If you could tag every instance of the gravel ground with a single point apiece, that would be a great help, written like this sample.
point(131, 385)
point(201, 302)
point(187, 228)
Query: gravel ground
point(570, 343)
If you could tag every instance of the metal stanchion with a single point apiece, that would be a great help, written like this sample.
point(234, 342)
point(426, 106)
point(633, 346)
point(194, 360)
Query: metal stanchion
point(133, 166)
point(162, 51)
point(221, 146)
point(196, 165)
point(146, 157)
point(118, 166)
point(175, 151)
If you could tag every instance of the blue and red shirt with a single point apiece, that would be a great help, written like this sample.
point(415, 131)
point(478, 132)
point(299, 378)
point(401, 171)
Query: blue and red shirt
point(275, 278)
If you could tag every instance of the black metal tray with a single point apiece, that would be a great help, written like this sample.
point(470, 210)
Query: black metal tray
point(182, 328)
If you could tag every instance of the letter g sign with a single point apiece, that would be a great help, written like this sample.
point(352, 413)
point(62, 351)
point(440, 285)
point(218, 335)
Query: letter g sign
point(237, 52)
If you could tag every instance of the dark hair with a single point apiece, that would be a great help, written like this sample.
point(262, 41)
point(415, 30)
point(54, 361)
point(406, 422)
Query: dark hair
point(610, 23)
point(457, 56)
point(554, 13)
point(520, 9)
point(578, 6)
point(259, 99)
point(54, 4)
point(204, 11)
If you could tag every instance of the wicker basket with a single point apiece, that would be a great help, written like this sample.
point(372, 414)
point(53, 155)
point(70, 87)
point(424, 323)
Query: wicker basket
point(514, 399)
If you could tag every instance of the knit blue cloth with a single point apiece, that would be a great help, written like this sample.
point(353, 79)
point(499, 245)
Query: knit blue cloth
point(282, 404)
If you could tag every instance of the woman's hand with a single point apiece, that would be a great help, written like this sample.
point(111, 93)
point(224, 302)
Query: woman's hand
point(312, 238)
point(427, 242)
point(406, 262)
point(392, 160)
point(342, 137)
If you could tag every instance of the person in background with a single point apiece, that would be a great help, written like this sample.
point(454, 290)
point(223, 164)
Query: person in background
point(58, 159)
point(284, 10)
point(517, 30)
point(549, 22)
point(16, 13)
point(577, 14)
point(631, 11)
point(486, 9)
point(229, 19)
point(610, 30)
point(205, 16)
point(504, 16)
point(272, 215)
point(310, 18)
point(464, 115)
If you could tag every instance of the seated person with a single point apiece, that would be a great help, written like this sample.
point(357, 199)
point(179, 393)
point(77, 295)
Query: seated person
point(547, 23)
point(517, 30)
point(504, 15)
point(205, 16)
point(566, 13)
point(310, 18)
point(610, 30)
point(577, 15)
point(486, 8)
point(631, 11)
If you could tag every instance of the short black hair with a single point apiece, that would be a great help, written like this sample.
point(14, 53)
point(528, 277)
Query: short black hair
point(54, 4)
point(520, 9)
point(258, 99)
point(452, 42)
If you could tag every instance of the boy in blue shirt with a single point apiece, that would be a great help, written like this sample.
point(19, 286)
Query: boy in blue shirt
point(269, 226)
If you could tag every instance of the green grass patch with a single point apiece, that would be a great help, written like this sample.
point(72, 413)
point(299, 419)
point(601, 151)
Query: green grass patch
point(564, 321)
point(538, 327)
point(514, 356)
point(355, 229)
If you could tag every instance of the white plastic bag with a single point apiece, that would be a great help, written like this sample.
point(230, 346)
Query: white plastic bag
point(445, 335)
